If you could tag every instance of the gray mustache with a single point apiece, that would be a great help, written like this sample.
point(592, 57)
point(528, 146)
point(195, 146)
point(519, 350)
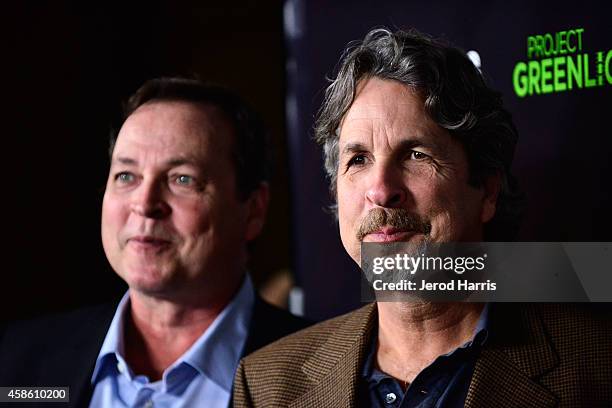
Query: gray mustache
point(399, 218)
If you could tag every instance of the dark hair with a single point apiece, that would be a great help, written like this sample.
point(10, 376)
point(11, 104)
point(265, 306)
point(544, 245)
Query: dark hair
point(456, 97)
point(252, 154)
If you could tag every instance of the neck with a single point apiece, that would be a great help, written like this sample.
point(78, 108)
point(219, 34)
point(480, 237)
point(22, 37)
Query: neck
point(412, 335)
point(159, 331)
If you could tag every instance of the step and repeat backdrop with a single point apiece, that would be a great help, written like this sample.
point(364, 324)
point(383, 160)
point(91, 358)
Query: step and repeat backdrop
point(552, 61)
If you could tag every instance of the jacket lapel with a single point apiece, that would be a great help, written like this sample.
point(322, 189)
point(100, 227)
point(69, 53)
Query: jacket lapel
point(505, 372)
point(334, 369)
point(73, 359)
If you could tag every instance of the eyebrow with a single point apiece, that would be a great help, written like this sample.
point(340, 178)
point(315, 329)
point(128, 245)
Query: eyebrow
point(173, 162)
point(404, 145)
point(125, 160)
point(180, 161)
point(353, 147)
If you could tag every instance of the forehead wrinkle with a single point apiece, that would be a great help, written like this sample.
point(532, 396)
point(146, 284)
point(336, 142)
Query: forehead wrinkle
point(125, 161)
point(164, 147)
point(384, 125)
point(370, 133)
point(358, 130)
point(188, 159)
point(163, 122)
point(180, 160)
point(166, 140)
point(132, 149)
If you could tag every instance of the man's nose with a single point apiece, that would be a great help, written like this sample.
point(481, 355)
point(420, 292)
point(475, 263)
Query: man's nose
point(148, 201)
point(386, 187)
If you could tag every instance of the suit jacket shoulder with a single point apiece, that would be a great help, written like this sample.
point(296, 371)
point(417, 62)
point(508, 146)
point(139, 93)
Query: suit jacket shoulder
point(545, 355)
point(320, 360)
point(59, 350)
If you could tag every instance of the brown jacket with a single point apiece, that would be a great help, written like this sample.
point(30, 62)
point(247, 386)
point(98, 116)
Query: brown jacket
point(536, 356)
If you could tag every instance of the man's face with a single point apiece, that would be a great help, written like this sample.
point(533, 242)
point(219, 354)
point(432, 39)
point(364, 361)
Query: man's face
point(401, 177)
point(171, 218)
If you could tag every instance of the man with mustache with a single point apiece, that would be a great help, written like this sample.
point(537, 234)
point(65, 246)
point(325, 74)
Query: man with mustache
point(187, 191)
point(418, 149)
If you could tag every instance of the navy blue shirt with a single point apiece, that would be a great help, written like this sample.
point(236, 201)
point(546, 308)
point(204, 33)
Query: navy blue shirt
point(444, 383)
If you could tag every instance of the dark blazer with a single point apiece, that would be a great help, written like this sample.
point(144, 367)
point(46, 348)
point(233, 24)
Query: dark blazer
point(62, 350)
point(535, 356)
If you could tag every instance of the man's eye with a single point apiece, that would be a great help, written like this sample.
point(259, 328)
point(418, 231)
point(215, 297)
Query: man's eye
point(184, 180)
point(415, 155)
point(357, 160)
point(124, 177)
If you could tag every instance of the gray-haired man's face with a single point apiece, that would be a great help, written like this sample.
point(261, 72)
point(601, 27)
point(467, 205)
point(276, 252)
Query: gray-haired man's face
point(401, 177)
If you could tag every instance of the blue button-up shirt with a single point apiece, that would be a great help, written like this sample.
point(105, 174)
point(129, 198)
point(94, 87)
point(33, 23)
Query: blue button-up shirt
point(202, 377)
point(444, 383)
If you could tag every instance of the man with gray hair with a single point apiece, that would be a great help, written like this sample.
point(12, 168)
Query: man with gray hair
point(418, 149)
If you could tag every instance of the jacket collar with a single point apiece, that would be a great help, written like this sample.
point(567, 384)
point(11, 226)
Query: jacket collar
point(334, 368)
point(508, 368)
point(77, 355)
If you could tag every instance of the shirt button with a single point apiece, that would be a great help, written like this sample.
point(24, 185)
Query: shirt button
point(390, 398)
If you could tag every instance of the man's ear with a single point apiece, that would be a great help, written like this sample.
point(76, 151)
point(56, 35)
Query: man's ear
point(257, 208)
point(492, 187)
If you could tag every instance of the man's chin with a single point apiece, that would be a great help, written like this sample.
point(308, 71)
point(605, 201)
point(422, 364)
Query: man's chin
point(153, 290)
point(148, 280)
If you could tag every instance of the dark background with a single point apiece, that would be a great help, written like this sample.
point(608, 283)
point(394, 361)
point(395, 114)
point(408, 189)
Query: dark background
point(68, 65)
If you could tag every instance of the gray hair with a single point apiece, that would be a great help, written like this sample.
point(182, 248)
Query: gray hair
point(456, 98)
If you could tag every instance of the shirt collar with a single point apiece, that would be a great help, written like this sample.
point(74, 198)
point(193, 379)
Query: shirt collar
point(481, 333)
point(112, 348)
point(215, 354)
